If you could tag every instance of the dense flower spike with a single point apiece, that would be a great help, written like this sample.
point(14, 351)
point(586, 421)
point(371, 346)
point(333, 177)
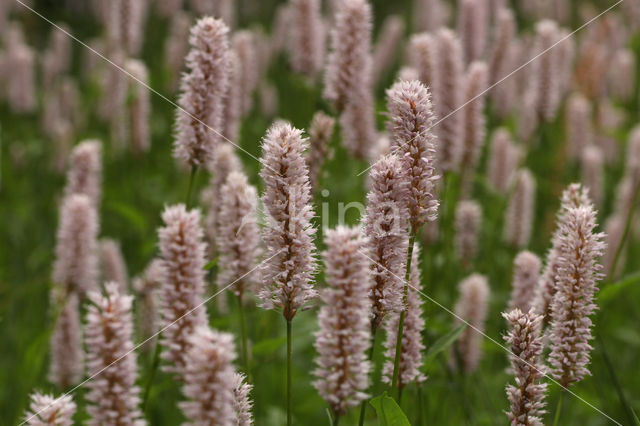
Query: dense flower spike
point(209, 378)
point(526, 271)
point(449, 99)
point(526, 398)
point(505, 28)
point(140, 105)
point(622, 74)
point(320, 132)
point(306, 46)
point(113, 266)
point(409, 126)
point(385, 225)
point(85, 171)
point(430, 15)
point(473, 18)
point(474, 120)
point(67, 355)
point(467, 227)
point(45, 410)
point(113, 395)
point(423, 57)
point(343, 338)
point(177, 43)
point(545, 85)
point(242, 403)
point(387, 45)
point(349, 63)
point(76, 265)
point(203, 90)
point(578, 124)
point(244, 44)
point(578, 269)
point(148, 287)
point(233, 99)
point(21, 90)
point(471, 308)
point(503, 160)
point(288, 236)
point(238, 236)
point(183, 255)
point(593, 172)
point(358, 126)
point(412, 347)
point(519, 215)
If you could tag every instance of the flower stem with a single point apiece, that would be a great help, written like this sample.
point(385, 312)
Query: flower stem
point(336, 420)
point(243, 334)
point(192, 179)
point(289, 373)
point(558, 409)
point(396, 362)
point(363, 405)
point(154, 368)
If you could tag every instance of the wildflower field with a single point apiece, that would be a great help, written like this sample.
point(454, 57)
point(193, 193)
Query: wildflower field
point(319, 212)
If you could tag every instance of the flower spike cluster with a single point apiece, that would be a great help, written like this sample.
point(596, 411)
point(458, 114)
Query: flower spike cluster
point(526, 271)
point(67, 356)
point(344, 335)
point(45, 410)
point(409, 126)
point(472, 308)
point(287, 275)
point(85, 171)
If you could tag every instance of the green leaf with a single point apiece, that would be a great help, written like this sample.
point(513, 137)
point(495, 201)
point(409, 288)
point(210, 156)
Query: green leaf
point(269, 346)
point(130, 214)
point(443, 343)
point(612, 290)
point(211, 264)
point(388, 412)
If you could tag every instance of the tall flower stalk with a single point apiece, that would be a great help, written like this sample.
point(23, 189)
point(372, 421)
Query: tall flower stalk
point(409, 127)
point(287, 275)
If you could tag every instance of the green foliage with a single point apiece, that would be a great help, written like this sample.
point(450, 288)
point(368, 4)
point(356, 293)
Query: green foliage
point(388, 411)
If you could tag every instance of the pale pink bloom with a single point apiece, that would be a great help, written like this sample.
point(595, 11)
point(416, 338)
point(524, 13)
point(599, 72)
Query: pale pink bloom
point(177, 43)
point(268, 99)
point(238, 236)
point(140, 106)
point(112, 264)
point(475, 127)
point(306, 44)
point(614, 230)
point(519, 214)
point(578, 270)
point(358, 126)
point(113, 395)
point(592, 163)
point(209, 378)
point(67, 355)
point(429, 15)
point(505, 95)
point(343, 339)
point(348, 66)
point(21, 78)
point(409, 126)
point(526, 398)
point(565, 52)
point(147, 287)
point(503, 160)
point(168, 8)
point(133, 14)
point(244, 44)
point(56, 59)
point(423, 57)
point(504, 32)
point(609, 121)
point(288, 236)
point(76, 265)
point(408, 74)
point(473, 22)
point(450, 128)
point(242, 403)
point(320, 132)
point(467, 229)
point(182, 294)
point(545, 86)
point(232, 118)
point(526, 271)
point(113, 85)
point(85, 171)
point(622, 74)
point(385, 225)
point(46, 410)
point(281, 27)
point(412, 348)
point(528, 115)
point(579, 132)
point(472, 308)
point(387, 45)
point(203, 89)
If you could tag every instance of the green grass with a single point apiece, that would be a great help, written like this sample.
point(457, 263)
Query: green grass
point(136, 189)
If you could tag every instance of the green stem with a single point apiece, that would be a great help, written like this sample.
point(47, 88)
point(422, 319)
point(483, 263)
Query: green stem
point(154, 368)
point(627, 227)
point(243, 334)
point(289, 373)
point(400, 389)
point(558, 409)
point(336, 419)
point(396, 362)
point(420, 405)
point(192, 179)
point(363, 405)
